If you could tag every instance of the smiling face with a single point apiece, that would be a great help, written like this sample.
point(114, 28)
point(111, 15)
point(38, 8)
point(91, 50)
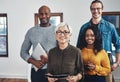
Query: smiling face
point(44, 16)
point(63, 35)
point(90, 37)
point(96, 10)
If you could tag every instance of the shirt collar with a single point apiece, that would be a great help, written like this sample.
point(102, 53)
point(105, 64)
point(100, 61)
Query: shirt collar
point(101, 21)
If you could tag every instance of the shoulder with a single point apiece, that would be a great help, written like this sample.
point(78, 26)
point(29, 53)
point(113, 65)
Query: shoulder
point(52, 26)
point(74, 49)
point(32, 28)
point(103, 52)
point(107, 26)
point(53, 49)
point(107, 23)
point(30, 31)
point(85, 25)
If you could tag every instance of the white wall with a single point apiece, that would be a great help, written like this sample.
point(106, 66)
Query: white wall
point(21, 18)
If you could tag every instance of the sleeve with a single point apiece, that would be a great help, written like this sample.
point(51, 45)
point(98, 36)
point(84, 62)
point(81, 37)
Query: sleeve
point(104, 68)
point(80, 68)
point(24, 53)
point(115, 38)
point(49, 61)
point(80, 33)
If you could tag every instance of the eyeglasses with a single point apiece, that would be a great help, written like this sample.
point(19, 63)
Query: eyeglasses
point(93, 9)
point(62, 32)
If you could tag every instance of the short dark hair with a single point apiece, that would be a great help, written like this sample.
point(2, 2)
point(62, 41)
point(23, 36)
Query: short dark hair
point(98, 39)
point(44, 6)
point(96, 1)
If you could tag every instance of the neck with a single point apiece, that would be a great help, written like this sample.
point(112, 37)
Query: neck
point(62, 46)
point(90, 46)
point(45, 25)
point(96, 20)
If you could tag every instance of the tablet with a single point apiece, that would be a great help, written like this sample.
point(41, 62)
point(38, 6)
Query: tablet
point(58, 76)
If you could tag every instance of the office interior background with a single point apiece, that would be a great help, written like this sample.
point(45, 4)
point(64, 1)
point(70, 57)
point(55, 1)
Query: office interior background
point(20, 15)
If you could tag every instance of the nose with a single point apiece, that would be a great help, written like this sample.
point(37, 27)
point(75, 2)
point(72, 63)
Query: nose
point(62, 34)
point(43, 15)
point(95, 10)
point(89, 37)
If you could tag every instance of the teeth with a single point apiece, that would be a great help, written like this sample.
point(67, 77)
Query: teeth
point(89, 40)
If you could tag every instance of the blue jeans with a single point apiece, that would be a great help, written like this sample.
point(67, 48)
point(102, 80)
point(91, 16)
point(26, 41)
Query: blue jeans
point(38, 76)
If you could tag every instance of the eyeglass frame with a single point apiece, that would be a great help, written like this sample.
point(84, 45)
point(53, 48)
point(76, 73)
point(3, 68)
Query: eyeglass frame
point(62, 32)
point(93, 9)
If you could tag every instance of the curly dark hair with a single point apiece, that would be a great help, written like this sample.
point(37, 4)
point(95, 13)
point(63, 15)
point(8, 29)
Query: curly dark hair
point(98, 39)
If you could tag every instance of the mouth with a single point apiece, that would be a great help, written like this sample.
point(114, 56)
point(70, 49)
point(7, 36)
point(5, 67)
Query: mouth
point(43, 20)
point(89, 41)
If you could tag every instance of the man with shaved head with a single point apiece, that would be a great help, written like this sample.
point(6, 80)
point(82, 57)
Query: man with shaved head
point(42, 33)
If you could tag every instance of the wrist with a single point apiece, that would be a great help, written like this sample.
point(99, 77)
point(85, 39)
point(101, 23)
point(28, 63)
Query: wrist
point(118, 64)
point(78, 77)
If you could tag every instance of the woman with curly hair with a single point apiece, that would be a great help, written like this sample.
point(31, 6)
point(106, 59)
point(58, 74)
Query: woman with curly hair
point(95, 59)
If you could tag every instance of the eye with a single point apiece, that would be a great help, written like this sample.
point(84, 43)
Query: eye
point(66, 32)
point(58, 31)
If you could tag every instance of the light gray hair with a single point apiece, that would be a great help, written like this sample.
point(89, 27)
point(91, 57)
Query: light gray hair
point(63, 24)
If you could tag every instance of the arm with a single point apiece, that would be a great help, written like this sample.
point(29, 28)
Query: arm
point(117, 63)
point(116, 42)
point(118, 58)
point(81, 31)
point(74, 78)
point(79, 36)
point(25, 52)
point(104, 68)
point(79, 68)
point(48, 69)
point(78, 40)
point(38, 63)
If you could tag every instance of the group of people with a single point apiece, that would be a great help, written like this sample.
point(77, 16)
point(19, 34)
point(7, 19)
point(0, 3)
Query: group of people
point(88, 61)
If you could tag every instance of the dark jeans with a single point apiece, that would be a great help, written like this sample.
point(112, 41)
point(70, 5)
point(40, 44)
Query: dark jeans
point(38, 76)
point(94, 78)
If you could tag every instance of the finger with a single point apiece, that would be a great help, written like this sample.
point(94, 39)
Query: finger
point(41, 63)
